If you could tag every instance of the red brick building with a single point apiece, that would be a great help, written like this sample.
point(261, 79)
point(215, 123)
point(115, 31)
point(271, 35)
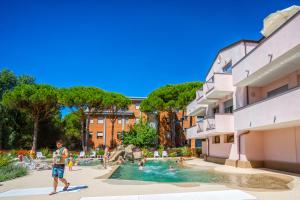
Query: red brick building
point(100, 125)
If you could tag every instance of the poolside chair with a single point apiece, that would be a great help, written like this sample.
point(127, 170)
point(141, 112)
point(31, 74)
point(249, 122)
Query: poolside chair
point(164, 154)
point(39, 155)
point(93, 154)
point(31, 164)
point(82, 154)
point(156, 154)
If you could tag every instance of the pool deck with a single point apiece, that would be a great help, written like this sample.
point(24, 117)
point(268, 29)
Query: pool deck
point(98, 185)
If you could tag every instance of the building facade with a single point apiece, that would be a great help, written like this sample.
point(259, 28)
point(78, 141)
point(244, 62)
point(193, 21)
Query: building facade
point(100, 125)
point(250, 109)
point(213, 105)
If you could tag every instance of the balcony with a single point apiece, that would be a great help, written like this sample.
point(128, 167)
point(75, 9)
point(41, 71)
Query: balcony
point(219, 124)
point(195, 132)
point(279, 111)
point(217, 87)
point(194, 108)
point(275, 56)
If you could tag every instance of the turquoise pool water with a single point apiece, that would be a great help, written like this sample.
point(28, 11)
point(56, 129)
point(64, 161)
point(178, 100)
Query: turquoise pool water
point(158, 171)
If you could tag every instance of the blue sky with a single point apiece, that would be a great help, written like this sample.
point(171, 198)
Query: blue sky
point(131, 47)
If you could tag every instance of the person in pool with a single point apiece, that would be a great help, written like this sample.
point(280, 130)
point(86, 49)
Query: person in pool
point(141, 165)
point(171, 168)
point(59, 157)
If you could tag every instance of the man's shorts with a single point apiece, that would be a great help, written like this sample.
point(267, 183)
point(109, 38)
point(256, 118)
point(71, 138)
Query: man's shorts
point(58, 171)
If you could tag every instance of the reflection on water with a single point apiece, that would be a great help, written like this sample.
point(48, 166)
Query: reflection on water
point(158, 171)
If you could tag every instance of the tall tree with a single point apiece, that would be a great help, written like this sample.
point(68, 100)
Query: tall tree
point(38, 101)
point(71, 126)
point(170, 98)
point(84, 101)
point(14, 125)
point(114, 103)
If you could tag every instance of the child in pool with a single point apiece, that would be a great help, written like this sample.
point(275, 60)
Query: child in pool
point(171, 168)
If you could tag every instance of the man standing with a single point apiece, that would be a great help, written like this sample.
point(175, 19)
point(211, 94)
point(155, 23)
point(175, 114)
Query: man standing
point(59, 157)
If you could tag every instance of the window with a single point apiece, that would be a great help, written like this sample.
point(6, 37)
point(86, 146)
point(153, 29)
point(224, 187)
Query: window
point(126, 120)
point(90, 134)
point(99, 134)
point(229, 138)
point(228, 106)
point(278, 90)
point(198, 143)
point(216, 139)
point(119, 121)
point(228, 68)
point(119, 135)
point(91, 121)
point(100, 120)
point(216, 110)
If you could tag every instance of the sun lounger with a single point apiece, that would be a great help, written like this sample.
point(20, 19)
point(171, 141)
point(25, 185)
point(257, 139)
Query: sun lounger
point(82, 154)
point(39, 155)
point(30, 164)
point(93, 154)
point(164, 154)
point(156, 154)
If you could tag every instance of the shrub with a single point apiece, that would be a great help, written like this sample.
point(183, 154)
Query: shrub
point(186, 151)
point(46, 152)
point(198, 151)
point(8, 169)
point(11, 171)
point(147, 153)
point(160, 149)
point(13, 153)
point(141, 135)
point(5, 160)
point(173, 154)
point(100, 152)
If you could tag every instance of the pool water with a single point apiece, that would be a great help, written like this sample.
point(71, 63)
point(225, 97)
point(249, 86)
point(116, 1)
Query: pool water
point(158, 171)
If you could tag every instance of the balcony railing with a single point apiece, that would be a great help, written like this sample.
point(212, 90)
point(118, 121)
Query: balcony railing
point(276, 53)
point(200, 127)
point(210, 123)
point(220, 123)
point(199, 94)
point(196, 131)
point(210, 84)
point(276, 111)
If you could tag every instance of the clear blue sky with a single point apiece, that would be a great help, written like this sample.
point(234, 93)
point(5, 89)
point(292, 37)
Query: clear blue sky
point(131, 47)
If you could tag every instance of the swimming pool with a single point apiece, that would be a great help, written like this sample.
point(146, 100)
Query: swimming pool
point(158, 171)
